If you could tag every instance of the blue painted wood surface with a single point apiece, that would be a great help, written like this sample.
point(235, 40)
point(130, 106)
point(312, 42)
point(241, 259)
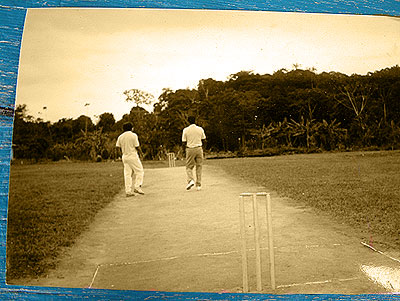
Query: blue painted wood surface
point(12, 17)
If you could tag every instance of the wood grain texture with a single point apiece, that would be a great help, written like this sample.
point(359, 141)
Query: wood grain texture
point(12, 17)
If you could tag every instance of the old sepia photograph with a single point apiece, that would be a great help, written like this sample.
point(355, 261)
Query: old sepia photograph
point(215, 151)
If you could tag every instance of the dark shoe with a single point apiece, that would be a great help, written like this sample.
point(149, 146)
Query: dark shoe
point(139, 190)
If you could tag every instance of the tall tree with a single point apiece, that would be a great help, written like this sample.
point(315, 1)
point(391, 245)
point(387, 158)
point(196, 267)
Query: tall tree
point(138, 97)
point(82, 125)
point(385, 82)
point(354, 94)
point(106, 122)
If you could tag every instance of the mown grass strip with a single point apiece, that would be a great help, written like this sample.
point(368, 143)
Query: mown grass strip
point(361, 188)
point(49, 206)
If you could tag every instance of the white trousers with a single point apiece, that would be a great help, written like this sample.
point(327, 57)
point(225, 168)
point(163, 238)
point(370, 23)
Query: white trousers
point(133, 168)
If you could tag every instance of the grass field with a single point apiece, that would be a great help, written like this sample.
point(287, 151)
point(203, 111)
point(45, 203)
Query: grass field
point(51, 204)
point(361, 189)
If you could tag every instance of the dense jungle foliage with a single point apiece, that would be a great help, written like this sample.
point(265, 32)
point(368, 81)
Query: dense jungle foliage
point(248, 114)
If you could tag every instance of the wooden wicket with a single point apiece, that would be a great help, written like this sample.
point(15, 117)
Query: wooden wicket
point(171, 159)
point(256, 226)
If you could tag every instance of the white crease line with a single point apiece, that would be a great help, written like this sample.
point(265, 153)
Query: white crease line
point(176, 257)
point(348, 279)
point(318, 246)
point(94, 276)
point(167, 258)
point(317, 282)
point(214, 254)
point(154, 260)
point(380, 252)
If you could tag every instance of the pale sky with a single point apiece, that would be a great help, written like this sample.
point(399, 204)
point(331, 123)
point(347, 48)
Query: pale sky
point(71, 57)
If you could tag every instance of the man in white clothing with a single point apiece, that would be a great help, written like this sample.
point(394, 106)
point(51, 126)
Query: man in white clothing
point(193, 138)
point(129, 144)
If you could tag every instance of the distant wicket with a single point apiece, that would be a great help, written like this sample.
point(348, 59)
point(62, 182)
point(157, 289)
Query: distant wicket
point(256, 239)
point(171, 159)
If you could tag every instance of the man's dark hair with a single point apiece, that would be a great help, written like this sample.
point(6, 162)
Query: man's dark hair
point(192, 119)
point(127, 126)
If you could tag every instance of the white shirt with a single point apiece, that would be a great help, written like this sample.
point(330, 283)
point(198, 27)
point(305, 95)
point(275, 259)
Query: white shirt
point(128, 141)
point(193, 135)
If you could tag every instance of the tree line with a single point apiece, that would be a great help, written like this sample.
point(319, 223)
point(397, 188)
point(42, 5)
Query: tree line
point(248, 114)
